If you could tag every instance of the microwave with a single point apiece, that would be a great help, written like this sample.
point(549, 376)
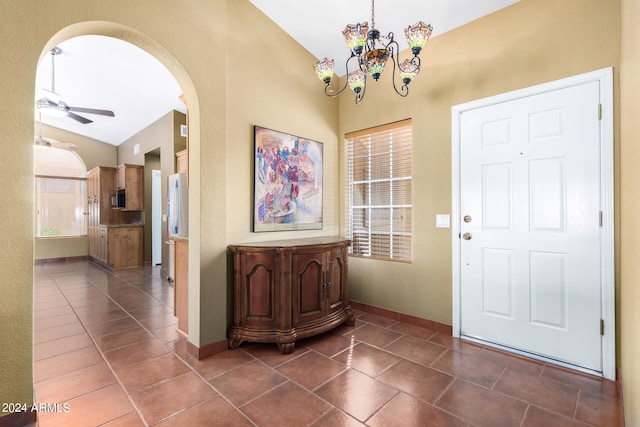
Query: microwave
point(118, 200)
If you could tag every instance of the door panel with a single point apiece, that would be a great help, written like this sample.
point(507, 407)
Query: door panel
point(497, 282)
point(337, 276)
point(549, 289)
point(530, 272)
point(307, 289)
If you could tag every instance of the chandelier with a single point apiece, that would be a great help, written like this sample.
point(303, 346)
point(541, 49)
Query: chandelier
point(370, 51)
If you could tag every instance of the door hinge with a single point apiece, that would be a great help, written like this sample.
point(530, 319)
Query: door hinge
point(600, 218)
point(599, 111)
point(602, 327)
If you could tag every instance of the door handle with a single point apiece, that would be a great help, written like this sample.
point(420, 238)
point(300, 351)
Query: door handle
point(466, 236)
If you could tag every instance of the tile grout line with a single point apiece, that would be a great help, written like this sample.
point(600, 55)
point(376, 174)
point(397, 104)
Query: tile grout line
point(108, 365)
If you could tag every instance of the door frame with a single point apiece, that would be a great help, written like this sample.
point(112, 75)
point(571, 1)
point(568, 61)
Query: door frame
point(605, 77)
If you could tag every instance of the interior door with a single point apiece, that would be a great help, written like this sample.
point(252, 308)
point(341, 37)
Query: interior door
point(530, 212)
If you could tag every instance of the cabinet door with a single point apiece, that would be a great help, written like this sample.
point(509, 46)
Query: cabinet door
point(181, 285)
point(337, 279)
point(125, 246)
point(121, 177)
point(91, 241)
point(91, 194)
point(308, 288)
point(103, 246)
point(256, 292)
point(130, 179)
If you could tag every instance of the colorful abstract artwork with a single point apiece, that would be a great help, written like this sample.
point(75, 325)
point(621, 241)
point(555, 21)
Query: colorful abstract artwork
point(288, 182)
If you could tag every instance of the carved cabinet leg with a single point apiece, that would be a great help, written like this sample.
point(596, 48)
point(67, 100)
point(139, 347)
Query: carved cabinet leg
point(234, 342)
point(286, 348)
point(350, 320)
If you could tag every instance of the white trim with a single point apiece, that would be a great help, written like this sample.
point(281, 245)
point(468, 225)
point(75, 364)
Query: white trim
point(605, 78)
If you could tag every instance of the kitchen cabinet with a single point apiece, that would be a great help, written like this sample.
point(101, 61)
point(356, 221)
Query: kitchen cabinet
point(182, 157)
point(181, 161)
point(181, 284)
point(118, 246)
point(112, 239)
point(124, 246)
point(100, 185)
point(288, 290)
point(103, 244)
point(129, 180)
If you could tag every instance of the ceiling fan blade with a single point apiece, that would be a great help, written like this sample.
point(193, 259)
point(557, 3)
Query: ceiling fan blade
point(78, 118)
point(93, 111)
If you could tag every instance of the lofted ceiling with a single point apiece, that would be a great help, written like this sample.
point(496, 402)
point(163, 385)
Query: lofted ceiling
point(107, 73)
point(318, 25)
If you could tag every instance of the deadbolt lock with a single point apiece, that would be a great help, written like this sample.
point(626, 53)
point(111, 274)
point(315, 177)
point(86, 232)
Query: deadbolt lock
point(467, 218)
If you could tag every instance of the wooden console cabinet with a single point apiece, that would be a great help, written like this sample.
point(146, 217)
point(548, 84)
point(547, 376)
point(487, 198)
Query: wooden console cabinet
point(289, 289)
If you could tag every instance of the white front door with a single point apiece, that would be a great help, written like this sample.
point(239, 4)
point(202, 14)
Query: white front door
point(530, 225)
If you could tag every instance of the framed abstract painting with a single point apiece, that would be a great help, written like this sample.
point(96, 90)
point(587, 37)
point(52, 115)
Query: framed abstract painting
point(287, 182)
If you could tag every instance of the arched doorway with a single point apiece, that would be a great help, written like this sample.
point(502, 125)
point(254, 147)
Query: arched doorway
point(189, 96)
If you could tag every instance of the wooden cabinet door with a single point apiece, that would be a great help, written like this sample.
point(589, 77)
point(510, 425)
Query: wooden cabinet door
point(105, 188)
point(181, 285)
point(256, 296)
point(103, 245)
point(309, 277)
point(125, 246)
point(121, 177)
point(337, 279)
point(181, 161)
point(130, 179)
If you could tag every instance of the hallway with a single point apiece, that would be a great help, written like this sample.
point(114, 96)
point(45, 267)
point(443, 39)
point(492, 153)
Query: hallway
point(105, 344)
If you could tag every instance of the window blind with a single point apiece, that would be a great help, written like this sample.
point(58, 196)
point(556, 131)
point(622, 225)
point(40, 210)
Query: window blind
point(60, 207)
point(380, 182)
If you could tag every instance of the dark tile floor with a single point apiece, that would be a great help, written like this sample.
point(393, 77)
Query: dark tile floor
point(105, 344)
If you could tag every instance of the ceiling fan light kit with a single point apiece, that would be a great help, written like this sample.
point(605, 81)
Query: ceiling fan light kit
point(51, 103)
point(371, 51)
point(42, 143)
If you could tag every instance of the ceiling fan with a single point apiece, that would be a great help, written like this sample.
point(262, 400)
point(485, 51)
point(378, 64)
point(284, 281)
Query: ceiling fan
point(51, 103)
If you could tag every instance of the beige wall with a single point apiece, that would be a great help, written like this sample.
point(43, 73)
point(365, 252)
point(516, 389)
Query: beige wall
point(92, 152)
point(163, 136)
point(630, 197)
point(281, 94)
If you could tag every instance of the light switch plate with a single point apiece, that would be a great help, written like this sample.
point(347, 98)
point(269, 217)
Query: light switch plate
point(443, 221)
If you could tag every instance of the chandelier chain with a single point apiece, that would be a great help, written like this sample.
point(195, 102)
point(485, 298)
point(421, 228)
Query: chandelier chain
point(373, 14)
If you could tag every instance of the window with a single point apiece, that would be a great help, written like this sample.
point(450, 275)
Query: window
point(60, 193)
point(379, 179)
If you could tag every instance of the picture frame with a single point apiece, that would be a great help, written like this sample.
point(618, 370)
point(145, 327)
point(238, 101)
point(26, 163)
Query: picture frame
point(288, 172)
